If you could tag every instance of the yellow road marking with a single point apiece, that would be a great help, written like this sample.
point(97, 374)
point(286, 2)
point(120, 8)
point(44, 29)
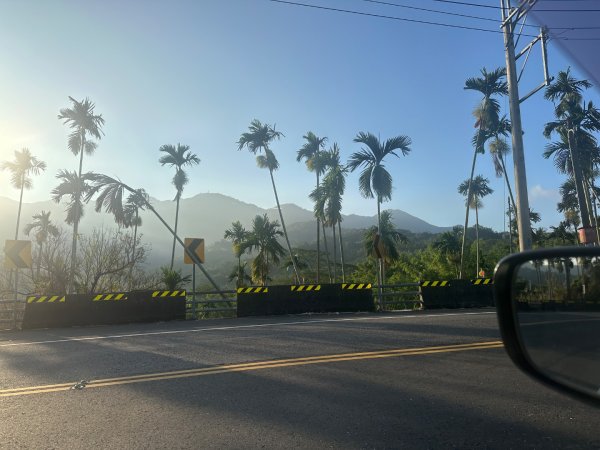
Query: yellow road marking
point(251, 366)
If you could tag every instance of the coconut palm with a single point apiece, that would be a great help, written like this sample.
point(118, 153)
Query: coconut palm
point(177, 156)
point(131, 218)
point(238, 235)
point(258, 139)
point(84, 123)
point(487, 115)
point(310, 152)
point(263, 239)
point(375, 180)
point(44, 228)
point(24, 165)
point(474, 191)
point(574, 124)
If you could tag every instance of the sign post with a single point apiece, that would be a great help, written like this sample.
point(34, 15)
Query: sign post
point(17, 256)
point(196, 247)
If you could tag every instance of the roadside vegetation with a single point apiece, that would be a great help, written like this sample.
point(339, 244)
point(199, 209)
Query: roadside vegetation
point(114, 259)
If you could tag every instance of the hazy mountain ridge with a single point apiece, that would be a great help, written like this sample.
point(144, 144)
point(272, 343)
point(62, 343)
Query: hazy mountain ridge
point(205, 215)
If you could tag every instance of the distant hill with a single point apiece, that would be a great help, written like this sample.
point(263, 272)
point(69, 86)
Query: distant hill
point(204, 216)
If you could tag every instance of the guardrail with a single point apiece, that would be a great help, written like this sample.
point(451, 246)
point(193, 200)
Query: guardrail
point(11, 314)
point(209, 304)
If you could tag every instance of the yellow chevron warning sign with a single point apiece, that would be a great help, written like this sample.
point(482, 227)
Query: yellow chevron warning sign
point(18, 254)
point(356, 286)
point(305, 287)
point(252, 290)
point(45, 299)
point(479, 281)
point(107, 297)
point(434, 283)
point(162, 294)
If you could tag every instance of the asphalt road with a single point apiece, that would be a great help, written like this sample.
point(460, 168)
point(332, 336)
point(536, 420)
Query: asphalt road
point(405, 380)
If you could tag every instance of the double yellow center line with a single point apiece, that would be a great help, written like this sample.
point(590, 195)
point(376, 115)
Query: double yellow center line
point(250, 366)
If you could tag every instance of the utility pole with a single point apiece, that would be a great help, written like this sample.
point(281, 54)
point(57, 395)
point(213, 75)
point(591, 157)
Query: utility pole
point(510, 19)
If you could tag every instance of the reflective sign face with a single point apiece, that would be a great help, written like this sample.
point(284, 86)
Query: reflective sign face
point(196, 246)
point(18, 254)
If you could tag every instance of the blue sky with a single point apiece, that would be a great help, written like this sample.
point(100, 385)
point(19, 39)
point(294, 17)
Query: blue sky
point(197, 72)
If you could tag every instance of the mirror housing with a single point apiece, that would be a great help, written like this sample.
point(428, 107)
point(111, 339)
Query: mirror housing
point(549, 323)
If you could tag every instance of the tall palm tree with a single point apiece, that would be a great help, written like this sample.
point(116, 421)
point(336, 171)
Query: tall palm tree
point(84, 123)
point(73, 187)
point(177, 156)
point(574, 124)
point(24, 165)
point(263, 239)
point(258, 139)
point(310, 151)
point(328, 202)
point(131, 218)
point(487, 115)
point(375, 180)
point(238, 235)
point(474, 191)
point(44, 228)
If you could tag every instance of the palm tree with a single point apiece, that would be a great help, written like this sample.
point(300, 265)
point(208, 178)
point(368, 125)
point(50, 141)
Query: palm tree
point(131, 218)
point(574, 124)
point(178, 156)
point(173, 279)
point(257, 140)
point(487, 115)
point(375, 180)
point(310, 151)
point(448, 244)
point(328, 201)
point(110, 197)
point(263, 239)
point(477, 189)
point(389, 237)
point(44, 228)
point(238, 235)
point(24, 164)
point(83, 123)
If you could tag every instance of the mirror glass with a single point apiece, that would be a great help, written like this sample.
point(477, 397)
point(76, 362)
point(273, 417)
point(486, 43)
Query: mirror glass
point(558, 310)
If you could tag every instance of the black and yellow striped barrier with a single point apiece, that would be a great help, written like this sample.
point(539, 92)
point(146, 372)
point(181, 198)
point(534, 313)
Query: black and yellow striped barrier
point(356, 286)
point(253, 290)
point(45, 299)
point(163, 294)
point(305, 287)
point(481, 281)
point(434, 283)
point(108, 297)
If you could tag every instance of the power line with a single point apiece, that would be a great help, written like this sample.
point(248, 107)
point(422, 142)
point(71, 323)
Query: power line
point(468, 16)
point(404, 19)
point(381, 16)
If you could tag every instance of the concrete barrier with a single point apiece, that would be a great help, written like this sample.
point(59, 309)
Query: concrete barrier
point(457, 294)
point(300, 299)
point(52, 311)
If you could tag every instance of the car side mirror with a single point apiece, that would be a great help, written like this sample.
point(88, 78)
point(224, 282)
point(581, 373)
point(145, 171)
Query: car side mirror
point(548, 304)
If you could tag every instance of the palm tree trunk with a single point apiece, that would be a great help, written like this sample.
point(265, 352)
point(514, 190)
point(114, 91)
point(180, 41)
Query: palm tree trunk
point(318, 240)
point(39, 261)
point(380, 276)
point(76, 221)
point(464, 236)
point(133, 249)
point(287, 240)
point(510, 193)
point(20, 205)
point(342, 252)
point(176, 223)
point(326, 251)
point(578, 178)
point(477, 239)
point(334, 256)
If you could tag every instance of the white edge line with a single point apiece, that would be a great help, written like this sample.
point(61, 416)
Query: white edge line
point(238, 327)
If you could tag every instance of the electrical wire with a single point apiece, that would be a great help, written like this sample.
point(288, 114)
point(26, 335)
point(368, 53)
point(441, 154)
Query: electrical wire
point(404, 19)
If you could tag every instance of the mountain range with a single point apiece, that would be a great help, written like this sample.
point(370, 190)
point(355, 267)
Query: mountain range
point(202, 216)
